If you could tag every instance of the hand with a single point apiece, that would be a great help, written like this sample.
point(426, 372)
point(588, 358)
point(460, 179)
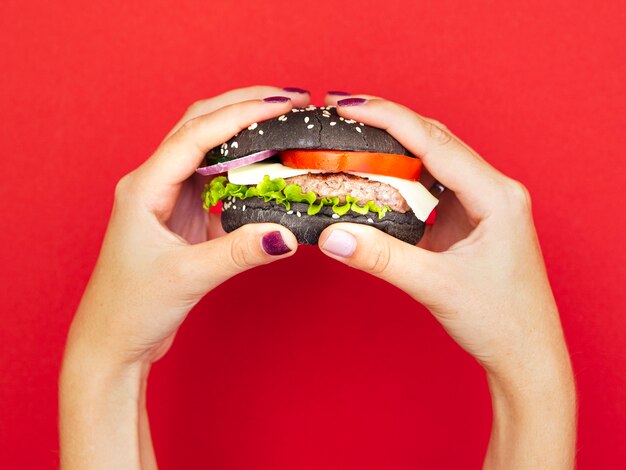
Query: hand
point(149, 276)
point(480, 272)
point(161, 254)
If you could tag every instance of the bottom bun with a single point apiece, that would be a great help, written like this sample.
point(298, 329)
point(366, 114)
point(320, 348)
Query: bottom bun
point(307, 229)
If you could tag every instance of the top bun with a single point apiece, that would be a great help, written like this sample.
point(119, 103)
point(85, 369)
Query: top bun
point(307, 129)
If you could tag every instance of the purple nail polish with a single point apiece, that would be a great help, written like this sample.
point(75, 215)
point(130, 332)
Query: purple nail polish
point(276, 99)
point(273, 244)
point(292, 89)
point(338, 93)
point(351, 102)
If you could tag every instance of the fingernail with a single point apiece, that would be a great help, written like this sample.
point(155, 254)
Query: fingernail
point(292, 89)
point(276, 99)
point(340, 243)
point(338, 93)
point(273, 244)
point(351, 102)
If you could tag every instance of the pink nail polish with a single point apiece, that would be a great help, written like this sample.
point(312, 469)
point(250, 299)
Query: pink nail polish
point(340, 243)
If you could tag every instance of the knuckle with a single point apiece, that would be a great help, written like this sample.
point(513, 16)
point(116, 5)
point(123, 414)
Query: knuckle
point(378, 259)
point(438, 124)
point(518, 195)
point(196, 106)
point(240, 254)
point(438, 133)
point(124, 187)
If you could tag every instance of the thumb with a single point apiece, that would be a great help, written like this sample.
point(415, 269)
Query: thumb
point(412, 269)
point(215, 261)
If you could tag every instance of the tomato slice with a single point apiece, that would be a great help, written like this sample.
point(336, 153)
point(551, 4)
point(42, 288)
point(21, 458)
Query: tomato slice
point(385, 164)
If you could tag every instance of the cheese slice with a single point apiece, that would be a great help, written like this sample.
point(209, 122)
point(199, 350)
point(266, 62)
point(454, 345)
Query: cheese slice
point(417, 196)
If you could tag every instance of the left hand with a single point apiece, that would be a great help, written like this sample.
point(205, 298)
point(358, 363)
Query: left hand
point(161, 255)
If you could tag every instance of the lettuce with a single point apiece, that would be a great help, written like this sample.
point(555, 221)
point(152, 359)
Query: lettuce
point(278, 191)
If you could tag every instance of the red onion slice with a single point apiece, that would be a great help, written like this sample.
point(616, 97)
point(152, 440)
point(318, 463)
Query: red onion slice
point(236, 163)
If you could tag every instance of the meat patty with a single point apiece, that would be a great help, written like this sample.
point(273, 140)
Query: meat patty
point(343, 184)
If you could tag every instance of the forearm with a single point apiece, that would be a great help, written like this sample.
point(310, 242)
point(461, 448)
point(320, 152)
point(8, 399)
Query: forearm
point(534, 418)
point(99, 414)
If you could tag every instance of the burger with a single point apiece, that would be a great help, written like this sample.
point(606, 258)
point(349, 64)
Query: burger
point(311, 168)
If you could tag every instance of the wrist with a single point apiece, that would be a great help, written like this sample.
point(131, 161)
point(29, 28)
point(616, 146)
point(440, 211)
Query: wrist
point(93, 348)
point(546, 371)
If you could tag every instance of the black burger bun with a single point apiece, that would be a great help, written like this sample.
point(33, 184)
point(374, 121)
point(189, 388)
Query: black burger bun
point(307, 229)
point(307, 129)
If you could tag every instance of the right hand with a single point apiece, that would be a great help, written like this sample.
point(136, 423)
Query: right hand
point(479, 268)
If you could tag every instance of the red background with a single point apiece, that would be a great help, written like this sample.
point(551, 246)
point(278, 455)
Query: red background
point(307, 364)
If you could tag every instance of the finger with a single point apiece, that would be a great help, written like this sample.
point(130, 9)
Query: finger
point(189, 219)
point(426, 178)
point(331, 98)
point(299, 99)
point(215, 229)
point(178, 156)
point(213, 262)
point(476, 183)
point(408, 267)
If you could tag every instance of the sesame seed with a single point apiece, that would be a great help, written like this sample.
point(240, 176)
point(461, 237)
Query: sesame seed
point(358, 129)
point(234, 145)
point(260, 132)
point(224, 145)
point(253, 126)
point(306, 120)
point(310, 126)
point(335, 216)
point(361, 124)
point(333, 123)
point(243, 208)
point(369, 219)
point(298, 214)
point(225, 152)
point(294, 110)
point(350, 121)
point(289, 212)
point(234, 207)
point(341, 119)
point(282, 117)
